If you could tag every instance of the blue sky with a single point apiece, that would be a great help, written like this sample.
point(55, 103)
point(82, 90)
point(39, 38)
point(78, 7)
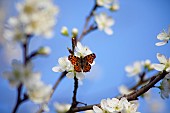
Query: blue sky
point(137, 24)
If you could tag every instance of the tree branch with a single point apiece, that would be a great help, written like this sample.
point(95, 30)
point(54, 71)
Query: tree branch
point(134, 95)
point(74, 99)
point(144, 89)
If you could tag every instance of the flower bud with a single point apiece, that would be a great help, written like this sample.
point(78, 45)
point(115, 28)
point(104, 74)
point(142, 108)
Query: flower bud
point(44, 50)
point(74, 32)
point(147, 62)
point(114, 7)
point(64, 31)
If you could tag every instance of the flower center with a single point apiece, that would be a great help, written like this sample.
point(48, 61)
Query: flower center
point(28, 9)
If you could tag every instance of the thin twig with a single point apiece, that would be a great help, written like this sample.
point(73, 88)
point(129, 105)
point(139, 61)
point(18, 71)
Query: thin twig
point(90, 29)
point(18, 99)
point(84, 32)
point(74, 99)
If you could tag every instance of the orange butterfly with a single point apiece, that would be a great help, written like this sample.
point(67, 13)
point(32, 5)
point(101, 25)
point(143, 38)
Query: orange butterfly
point(82, 63)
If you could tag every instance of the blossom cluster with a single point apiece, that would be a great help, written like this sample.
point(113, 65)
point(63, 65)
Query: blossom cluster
point(138, 67)
point(37, 91)
point(115, 105)
point(36, 17)
point(66, 65)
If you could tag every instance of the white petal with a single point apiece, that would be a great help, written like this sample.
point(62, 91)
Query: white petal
point(80, 76)
point(109, 102)
point(128, 69)
point(159, 67)
point(97, 109)
point(108, 31)
point(168, 69)
point(70, 75)
point(57, 69)
point(110, 21)
point(103, 103)
point(93, 63)
point(79, 46)
point(161, 58)
point(62, 61)
point(161, 43)
point(115, 101)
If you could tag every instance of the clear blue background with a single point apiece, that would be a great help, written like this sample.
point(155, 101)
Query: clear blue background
point(137, 24)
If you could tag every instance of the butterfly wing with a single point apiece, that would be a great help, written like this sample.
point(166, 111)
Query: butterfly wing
point(73, 59)
point(86, 66)
point(90, 58)
point(77, 67)
point(76, 61)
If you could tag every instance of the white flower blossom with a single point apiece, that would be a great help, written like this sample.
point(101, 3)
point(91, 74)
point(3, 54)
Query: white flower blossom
point(115, 105)
point(39, 92)
point(129, 107)
point(105, 3)
point(104, 23)
point(135, 69)
point(164, 63)
point(165, 87)
point(164, 37)
point(61, 108)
